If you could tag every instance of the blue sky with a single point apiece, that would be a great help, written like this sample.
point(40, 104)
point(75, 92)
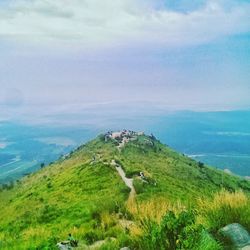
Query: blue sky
point(70, 55)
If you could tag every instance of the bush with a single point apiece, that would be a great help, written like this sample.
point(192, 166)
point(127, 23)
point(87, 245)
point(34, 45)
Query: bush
point(49, 185)
point(173, 232)
point(181, 231)
point(139, 186)
point(207, 242)
point(200, 164)
point(151, 238)
point(130, 173)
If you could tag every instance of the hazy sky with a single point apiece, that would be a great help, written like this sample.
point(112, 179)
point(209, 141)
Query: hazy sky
point(62, 56)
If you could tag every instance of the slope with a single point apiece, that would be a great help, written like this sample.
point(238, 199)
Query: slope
point(82, 192)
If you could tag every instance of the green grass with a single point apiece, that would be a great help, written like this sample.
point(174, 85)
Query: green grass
point(176, 177)
point(207, 242)
point(67, 196)
point(89, 199)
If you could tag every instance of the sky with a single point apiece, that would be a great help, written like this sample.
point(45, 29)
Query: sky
point(76, 56)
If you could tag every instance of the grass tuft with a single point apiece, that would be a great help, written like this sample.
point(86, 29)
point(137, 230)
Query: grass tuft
point(225, 208)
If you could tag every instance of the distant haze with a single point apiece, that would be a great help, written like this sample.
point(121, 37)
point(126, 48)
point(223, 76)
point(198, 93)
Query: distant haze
point(68, 57)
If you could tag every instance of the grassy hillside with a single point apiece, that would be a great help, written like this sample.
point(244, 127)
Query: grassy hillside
point(177, 177)
point(83, 193)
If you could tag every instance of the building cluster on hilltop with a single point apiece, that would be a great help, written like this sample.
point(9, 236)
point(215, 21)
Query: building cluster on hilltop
point(122, 135)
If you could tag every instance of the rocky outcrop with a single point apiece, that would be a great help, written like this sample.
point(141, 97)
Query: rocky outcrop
point(238, 235)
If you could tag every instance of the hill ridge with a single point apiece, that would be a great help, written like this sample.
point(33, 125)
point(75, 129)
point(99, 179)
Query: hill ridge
point(85, 194)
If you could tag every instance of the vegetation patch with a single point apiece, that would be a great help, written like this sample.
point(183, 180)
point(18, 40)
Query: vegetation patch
point(178, 203)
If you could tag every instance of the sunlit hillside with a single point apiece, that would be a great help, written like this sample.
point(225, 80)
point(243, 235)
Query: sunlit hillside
point(83, 193)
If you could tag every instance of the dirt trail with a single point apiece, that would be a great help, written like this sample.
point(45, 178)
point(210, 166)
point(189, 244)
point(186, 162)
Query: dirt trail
point(128, 181)
point(122, 143)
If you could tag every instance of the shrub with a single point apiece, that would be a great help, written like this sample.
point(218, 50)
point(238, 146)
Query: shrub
point(49, 185)
point(181, 231)
point(207, 242)
point(200, 164)
point(139, 186)
point(173, 232)
point(151, 238)
point(130, 173)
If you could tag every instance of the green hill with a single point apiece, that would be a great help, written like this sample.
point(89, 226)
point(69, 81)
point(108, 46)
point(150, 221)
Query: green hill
point(84, 194)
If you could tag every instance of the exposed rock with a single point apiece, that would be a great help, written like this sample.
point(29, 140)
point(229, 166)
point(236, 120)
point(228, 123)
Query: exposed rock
point(237, 234)
point(63, 246)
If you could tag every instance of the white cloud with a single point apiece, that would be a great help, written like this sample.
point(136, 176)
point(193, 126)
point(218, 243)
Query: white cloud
point(98, 23)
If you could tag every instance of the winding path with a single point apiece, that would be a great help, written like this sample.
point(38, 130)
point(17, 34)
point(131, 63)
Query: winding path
point(128, 181)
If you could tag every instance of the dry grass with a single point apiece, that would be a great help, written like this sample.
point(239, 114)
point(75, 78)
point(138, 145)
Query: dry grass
point(153, 209)
point(35, 232)
point(233, 200)
point(108, 220)
point(225, 208)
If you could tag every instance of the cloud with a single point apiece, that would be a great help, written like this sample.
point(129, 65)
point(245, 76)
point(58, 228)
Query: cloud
point(96, 23)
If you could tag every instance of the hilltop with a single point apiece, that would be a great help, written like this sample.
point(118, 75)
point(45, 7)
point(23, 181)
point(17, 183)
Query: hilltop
point(104, 189)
